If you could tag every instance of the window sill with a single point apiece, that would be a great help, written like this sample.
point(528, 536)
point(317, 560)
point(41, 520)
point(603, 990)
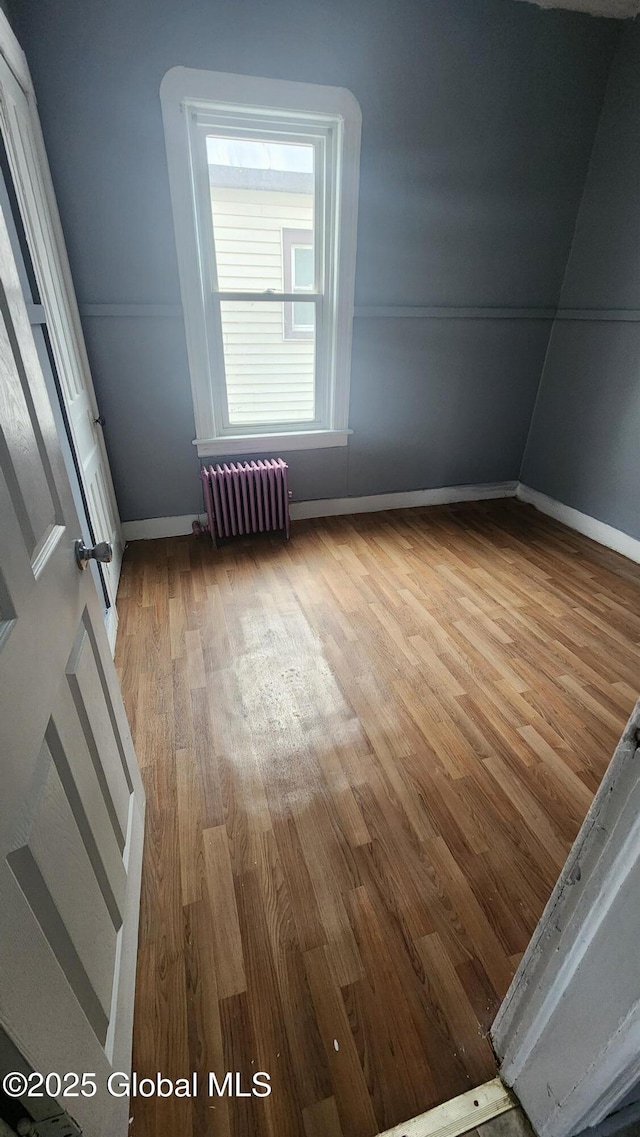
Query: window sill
point(267, 443)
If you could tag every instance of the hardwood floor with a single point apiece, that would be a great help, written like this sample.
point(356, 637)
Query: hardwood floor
point(366, 754)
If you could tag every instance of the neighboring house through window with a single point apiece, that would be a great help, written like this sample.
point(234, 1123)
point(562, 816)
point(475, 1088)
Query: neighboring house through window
point(265, 204)
point(297, 258)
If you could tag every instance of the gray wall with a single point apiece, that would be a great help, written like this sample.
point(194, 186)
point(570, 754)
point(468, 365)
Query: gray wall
point(478, 121)
point(584, 446)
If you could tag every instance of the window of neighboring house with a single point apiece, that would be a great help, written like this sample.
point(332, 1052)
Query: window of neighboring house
point(264, 204)
point(297, 259)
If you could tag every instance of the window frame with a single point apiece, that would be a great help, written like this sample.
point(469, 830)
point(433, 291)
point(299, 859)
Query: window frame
point(233, 124)
point(193, 101)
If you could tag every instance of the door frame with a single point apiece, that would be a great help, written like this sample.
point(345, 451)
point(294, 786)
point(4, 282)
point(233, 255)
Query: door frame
point(568, 1031)
point(35, 193)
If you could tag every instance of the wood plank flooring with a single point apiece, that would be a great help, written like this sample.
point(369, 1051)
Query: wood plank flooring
point(366, 754)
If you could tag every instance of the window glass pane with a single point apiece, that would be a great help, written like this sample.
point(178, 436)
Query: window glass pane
point(258, 189)
point(270, 377)
point(303, 314)
point(302, 267)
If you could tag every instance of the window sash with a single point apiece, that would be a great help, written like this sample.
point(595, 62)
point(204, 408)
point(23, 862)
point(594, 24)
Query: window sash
point(324, 211)
point(220, 390)
point(324, 191)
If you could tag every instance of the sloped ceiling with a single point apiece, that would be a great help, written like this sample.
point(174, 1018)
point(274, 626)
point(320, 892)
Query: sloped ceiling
point(616, 9)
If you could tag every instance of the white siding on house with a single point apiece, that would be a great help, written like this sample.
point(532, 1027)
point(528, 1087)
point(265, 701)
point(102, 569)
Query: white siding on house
point(269, 378)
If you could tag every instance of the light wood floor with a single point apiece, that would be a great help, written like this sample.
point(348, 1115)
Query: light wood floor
point(366, 753)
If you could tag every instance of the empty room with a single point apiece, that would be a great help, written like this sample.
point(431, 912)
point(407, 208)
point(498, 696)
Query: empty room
point(319, 568)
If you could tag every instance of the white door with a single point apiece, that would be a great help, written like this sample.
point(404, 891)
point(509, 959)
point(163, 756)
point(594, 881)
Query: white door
point(568, 1031)
point(27, 158)
point(71, 800)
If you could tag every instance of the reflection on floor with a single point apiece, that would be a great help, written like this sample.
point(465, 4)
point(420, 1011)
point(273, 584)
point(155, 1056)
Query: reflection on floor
point(366, 753)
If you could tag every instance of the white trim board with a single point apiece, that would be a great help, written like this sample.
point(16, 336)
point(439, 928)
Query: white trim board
point(265, 443)
point(459, 1114)
point(150, 528)
point(597, 530)
point(14, 55)
point(372, 503)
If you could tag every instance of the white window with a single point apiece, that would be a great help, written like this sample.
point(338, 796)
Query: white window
point(264, 177)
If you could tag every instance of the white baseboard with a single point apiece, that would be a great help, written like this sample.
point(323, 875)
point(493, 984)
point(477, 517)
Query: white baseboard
point(150, 528)
point(597, 530)
point(443, 495)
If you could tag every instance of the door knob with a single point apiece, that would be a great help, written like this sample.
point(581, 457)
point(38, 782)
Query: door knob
point(100, 552)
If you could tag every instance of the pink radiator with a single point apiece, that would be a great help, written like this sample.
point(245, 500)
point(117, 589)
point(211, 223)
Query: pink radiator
point(249, 497)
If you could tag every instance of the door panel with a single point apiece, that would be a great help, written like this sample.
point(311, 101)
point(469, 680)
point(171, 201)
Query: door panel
point(28, 474)
point(88, 795)
point(53, 869)
point(72, 805)
point(87, 682)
